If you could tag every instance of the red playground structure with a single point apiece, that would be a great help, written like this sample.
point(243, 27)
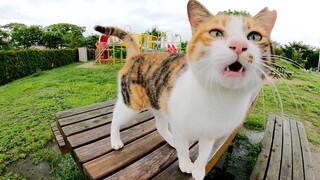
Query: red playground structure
point(109, 49)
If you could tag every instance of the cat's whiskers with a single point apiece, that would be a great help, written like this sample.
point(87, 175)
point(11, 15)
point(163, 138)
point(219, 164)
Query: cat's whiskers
point(275, 92)
point(206, 70)
point(278, 57)
point(263, 100)
point(287, 85)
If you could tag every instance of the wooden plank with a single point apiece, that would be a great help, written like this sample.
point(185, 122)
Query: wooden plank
point(296, 152)
point(86, 125)
point(84, 109)
point(286, 163)
point(173, 171)
point(276, 152)
point(261, 166)
point(61, 144)
point(106, 164)
point(148, 166)
point(90, 135)
point(309, 171)
point(83, 116)
point(103, 146)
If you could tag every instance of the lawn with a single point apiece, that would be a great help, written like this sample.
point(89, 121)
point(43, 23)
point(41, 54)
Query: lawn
point(28, 105)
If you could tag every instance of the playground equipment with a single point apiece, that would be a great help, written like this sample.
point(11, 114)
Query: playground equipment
point(111, 49)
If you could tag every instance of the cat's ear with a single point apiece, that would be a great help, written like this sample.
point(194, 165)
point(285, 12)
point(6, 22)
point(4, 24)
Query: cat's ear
point(267, 18)
point(197, 14)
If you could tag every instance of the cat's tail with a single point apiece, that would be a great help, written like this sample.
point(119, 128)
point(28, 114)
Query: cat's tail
point(131, 44)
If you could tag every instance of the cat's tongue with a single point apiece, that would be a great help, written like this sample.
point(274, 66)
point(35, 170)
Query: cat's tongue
point(234, 70)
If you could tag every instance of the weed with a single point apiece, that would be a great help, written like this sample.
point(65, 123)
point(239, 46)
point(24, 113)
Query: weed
point(241, 138)
point(254, 151)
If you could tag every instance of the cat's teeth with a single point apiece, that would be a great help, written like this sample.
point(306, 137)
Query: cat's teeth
point(241, 70)
point(227, 69)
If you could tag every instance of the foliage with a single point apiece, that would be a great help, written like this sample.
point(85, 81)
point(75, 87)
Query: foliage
point(304, 55)
point(184, 47)
point(253, 155)
point(91, 41)
point(4, 44)
point(28, 105)
point(52, 39)
point(154, 32)
point(91, 53)
point(23, 36)
point(71, 34)
point(16, 64)
point(234, 12)
point(62, 35)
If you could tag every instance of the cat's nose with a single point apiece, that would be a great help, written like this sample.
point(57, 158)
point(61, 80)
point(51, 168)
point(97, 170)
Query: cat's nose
point(238, 46)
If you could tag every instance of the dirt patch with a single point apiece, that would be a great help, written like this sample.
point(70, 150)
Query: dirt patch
point(26, 169)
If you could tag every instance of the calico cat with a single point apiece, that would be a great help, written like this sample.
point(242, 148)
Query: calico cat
point(202, 95)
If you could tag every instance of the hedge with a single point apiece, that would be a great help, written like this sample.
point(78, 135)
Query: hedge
point(20, 63)
point(91, 54)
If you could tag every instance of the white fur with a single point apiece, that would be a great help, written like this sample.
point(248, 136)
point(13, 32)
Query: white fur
point(204, 105)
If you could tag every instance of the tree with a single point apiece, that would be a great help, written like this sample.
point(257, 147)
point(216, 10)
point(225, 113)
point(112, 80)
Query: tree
point(52, 39)
point(277, 48)
point(184, 47)
point(154, 32)
point(313, 59)
point(71, 34)
point(234, 12)
point(24, 36)
point(4, 44)
point(91, 41)
point(299, 53)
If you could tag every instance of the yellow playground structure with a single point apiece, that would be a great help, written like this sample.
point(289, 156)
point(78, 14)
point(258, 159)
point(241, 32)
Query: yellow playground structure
point(112, 49)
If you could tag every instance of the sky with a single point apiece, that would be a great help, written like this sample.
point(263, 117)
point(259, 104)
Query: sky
point(298, 20)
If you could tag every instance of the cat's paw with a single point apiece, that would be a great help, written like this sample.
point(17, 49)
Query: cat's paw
point(116, 144)
point(198, 174)
point(186, 166)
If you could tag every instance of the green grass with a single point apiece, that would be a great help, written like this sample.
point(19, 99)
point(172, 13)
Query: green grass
point(300, 99)
point(28, 105)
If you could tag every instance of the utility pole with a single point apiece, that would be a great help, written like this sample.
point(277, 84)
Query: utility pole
point(319, 61)
point(319, 57)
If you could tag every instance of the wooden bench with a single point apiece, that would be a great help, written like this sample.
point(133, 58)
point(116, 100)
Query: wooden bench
point(84, 132)
point(285, 152)
point(280, 69)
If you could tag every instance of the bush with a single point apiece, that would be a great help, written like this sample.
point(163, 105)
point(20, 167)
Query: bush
point(91, 54)
point(20, 63)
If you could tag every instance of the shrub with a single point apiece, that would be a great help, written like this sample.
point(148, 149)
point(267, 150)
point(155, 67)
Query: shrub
point(16, 64)
point(91, 54)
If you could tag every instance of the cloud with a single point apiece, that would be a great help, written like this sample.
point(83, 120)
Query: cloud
point(295, 22)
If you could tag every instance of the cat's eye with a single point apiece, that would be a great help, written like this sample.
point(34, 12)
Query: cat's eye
point(254, 36)
point(216, 33)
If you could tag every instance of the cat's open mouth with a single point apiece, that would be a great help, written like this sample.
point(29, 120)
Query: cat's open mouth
point(235, 70)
